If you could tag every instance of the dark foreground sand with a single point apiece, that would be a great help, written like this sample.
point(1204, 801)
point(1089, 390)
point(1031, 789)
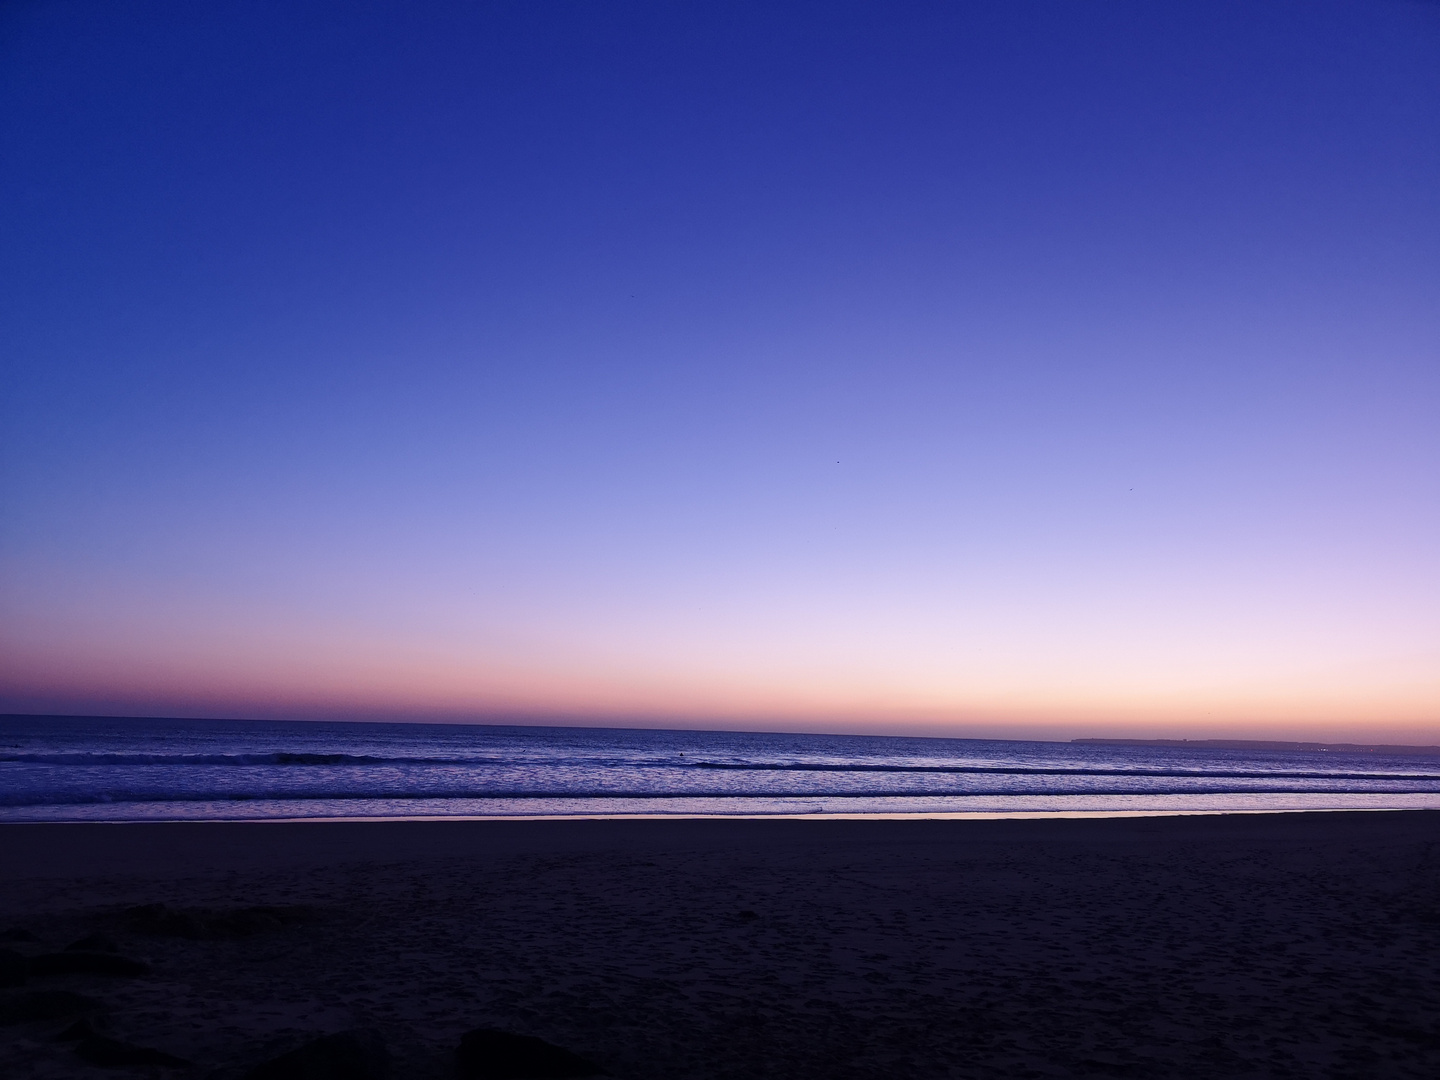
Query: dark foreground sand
point(1241, 946)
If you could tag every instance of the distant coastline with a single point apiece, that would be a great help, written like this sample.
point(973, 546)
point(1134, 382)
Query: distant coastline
point(1262, 744)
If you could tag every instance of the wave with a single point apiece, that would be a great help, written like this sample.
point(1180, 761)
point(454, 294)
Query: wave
point(278, 758)
point(1062, 770)
point(17, 800)
point(293, 758)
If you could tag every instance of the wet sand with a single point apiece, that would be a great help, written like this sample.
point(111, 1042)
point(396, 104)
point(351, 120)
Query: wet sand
point(1298, 945)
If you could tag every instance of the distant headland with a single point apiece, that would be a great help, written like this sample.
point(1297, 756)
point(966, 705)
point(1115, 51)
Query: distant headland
point(1260, 744)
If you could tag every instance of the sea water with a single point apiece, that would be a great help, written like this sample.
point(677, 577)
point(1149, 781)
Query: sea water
point(126, 769)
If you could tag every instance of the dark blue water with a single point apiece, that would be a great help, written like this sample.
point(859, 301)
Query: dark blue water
point(61, 769)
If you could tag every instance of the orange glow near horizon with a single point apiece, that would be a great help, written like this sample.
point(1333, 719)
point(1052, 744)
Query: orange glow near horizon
point(756, 687)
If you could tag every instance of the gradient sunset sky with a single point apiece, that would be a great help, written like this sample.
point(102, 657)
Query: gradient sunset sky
point(1065, 368)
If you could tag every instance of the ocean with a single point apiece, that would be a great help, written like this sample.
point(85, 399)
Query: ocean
point(133, 769)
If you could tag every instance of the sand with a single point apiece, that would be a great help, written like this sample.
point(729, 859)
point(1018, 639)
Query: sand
point(1303, 945)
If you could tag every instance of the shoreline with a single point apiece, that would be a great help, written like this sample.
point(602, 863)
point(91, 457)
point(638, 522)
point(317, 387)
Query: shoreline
point(700, 815)
point(958, 815)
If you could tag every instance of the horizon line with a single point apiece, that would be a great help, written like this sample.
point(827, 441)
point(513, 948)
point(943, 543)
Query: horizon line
point(1208, 744)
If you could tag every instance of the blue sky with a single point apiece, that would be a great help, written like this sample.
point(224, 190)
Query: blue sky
point(1047, 367)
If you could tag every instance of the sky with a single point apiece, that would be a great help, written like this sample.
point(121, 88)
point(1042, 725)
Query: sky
point(1019, 368)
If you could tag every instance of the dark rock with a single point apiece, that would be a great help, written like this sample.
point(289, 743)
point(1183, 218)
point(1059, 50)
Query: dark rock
point(13, 968)
point(16, 933)
point(83, 1028)
point(86, 963)
point(748, 916)
point(93, 943)
point(99, 1049)
point(44, 1005)
point(346, 1055)
point(114, 1054)
point(487, 1054)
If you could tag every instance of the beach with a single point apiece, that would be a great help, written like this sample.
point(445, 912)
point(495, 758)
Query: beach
point(1185, 946)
